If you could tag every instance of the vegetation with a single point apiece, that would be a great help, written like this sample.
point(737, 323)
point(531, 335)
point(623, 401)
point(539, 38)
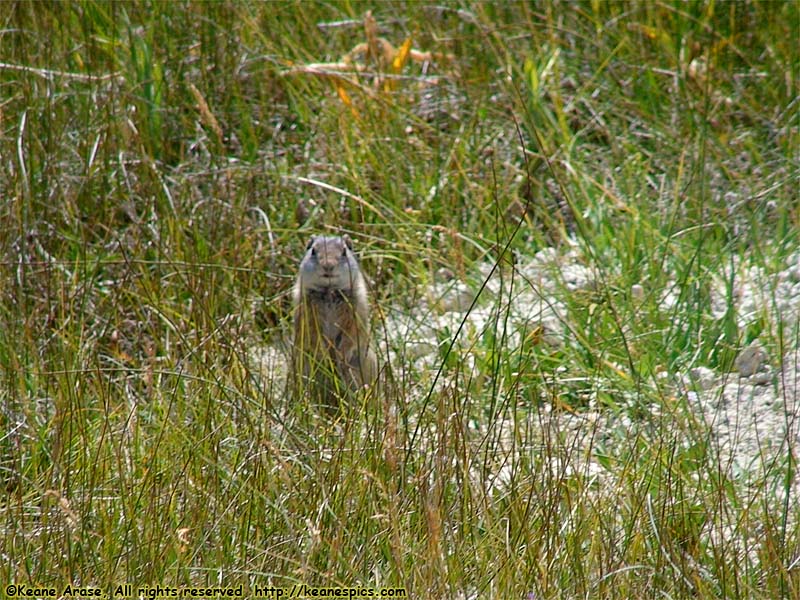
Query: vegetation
point(162, 166)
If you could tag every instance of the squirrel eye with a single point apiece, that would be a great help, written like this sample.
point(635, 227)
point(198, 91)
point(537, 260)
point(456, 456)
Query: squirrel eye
point(344, 251)
point(313, 252)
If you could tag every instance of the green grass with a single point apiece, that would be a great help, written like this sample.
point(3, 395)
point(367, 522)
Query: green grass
point(148, 246)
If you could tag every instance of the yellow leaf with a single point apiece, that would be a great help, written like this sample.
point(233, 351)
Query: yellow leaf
point(343, 95)
point(400, 59)
point(535, 336)
point(646, 30)
point(651, 33)
point(345, 98)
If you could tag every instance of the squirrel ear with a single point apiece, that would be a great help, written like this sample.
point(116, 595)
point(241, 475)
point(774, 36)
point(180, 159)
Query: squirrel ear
point(347, 241)
point(311, 242)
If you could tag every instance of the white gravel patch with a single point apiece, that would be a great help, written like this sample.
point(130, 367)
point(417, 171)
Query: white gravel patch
point(754, 292)
point(751, 414)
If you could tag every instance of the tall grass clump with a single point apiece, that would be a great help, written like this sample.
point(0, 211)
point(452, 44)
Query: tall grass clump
point(580, 224)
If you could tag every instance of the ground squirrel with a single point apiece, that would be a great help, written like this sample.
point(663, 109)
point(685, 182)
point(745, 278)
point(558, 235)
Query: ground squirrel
point(331, 352)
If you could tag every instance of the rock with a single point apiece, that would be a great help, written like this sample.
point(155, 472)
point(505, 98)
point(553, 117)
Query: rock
point(761, 378)
point(456, 297)
point(750, 359)
point(703, 377)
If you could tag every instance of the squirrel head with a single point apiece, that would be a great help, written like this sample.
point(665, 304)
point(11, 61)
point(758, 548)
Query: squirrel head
point(329, 264)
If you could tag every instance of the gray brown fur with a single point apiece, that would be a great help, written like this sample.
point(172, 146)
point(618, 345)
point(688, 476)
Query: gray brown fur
point(331, 321)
